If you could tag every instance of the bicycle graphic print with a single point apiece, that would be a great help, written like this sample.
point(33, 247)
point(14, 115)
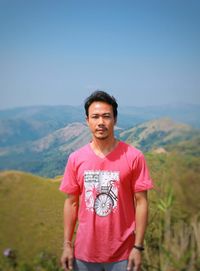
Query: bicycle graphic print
point(101, 191)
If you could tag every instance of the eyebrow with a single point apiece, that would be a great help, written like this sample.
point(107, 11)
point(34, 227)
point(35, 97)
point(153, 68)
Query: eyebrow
point(104, 114)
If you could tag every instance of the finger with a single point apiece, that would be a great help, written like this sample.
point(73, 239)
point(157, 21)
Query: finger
point(63, 264)
point(130, 266)
point(136, 268)
point(70, 263)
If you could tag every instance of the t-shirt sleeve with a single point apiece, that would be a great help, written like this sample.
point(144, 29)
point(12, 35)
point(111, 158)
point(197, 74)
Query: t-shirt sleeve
point(69, 182)
point(141, 177)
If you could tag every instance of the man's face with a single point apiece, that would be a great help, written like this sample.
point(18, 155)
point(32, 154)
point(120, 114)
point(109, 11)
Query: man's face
point(101, 120)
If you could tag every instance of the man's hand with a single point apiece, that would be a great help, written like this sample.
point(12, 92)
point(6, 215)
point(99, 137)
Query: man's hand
point(67, 258)
point(134, 260)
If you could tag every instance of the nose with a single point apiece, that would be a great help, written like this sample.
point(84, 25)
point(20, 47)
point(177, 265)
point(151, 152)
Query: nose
point(100, 121)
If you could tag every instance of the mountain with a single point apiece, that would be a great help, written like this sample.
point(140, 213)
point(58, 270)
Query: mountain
point(187, 147)
point(186, 113)
point(25, 124)
point(47, 156)
point(157, 133)
point(39, 139)
point(64, 139)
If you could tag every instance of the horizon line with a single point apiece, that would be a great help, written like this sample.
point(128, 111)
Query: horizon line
point(81, 105)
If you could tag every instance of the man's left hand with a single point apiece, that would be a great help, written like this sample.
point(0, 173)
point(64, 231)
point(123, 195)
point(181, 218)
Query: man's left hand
point(134, 260)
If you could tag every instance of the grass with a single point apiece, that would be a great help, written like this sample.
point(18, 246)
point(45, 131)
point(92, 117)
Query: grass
point(31, 211)
point(31, 214)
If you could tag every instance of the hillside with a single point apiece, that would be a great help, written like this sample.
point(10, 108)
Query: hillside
point(30, 214)
point(25, 124)
point(180, 174)
point(31, 208)
point(47, 156)
point(173, 235)
point(157, 133)
point(187, 147)
point(185, 113)
point(20, 125)
point(64, 139)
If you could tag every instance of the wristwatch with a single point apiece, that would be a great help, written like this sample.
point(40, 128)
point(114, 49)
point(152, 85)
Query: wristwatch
point(140, 248)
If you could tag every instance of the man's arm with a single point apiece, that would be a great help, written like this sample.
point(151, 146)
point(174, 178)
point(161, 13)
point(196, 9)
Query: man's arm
point(135, 257)
point(70, 219)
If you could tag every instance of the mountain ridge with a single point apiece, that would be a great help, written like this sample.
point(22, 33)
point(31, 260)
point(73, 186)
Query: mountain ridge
point(47, 156)
point(157, 133)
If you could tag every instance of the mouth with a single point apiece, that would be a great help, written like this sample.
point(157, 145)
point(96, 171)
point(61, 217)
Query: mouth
point(101, 130)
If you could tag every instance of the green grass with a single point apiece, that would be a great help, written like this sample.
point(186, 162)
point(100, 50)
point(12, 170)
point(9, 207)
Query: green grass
point(31, 207)
point(31, 211)
point(182, 174)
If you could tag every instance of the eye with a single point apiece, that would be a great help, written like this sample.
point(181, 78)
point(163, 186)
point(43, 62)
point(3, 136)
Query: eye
point(94, 116)
point(107, 116)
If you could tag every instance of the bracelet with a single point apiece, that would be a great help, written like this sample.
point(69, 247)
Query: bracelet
point(140, 248)
point(67, 242)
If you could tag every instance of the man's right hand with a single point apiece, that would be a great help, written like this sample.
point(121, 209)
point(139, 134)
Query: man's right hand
point(67, 258)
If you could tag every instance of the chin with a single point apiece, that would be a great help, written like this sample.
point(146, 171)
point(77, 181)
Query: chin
point(101, 137)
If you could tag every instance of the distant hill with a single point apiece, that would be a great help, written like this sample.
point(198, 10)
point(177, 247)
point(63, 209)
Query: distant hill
point(186, 113)
point(187, 147)
point(64, 139)
point(157, 133)
point(25, 124)
point(38, 139)
point(47, 156)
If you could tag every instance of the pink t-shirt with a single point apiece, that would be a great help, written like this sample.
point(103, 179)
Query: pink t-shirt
point(106, 219)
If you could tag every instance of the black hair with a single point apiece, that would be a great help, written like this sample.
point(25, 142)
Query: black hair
point(101, 96)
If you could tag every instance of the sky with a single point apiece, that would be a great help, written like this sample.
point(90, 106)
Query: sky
point(144, 52)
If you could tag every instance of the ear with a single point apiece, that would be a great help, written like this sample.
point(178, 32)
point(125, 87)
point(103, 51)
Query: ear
point(115, 121)
point(87, 120)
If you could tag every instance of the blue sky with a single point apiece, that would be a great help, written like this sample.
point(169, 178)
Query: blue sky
point(144, 52)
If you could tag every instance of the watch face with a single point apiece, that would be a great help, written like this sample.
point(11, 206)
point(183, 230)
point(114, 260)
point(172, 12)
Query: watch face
point(103, 204)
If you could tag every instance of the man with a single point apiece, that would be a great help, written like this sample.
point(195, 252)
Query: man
point(106, 182)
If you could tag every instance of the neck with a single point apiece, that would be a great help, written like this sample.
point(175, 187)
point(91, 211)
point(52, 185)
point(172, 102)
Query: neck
point(103, 146)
